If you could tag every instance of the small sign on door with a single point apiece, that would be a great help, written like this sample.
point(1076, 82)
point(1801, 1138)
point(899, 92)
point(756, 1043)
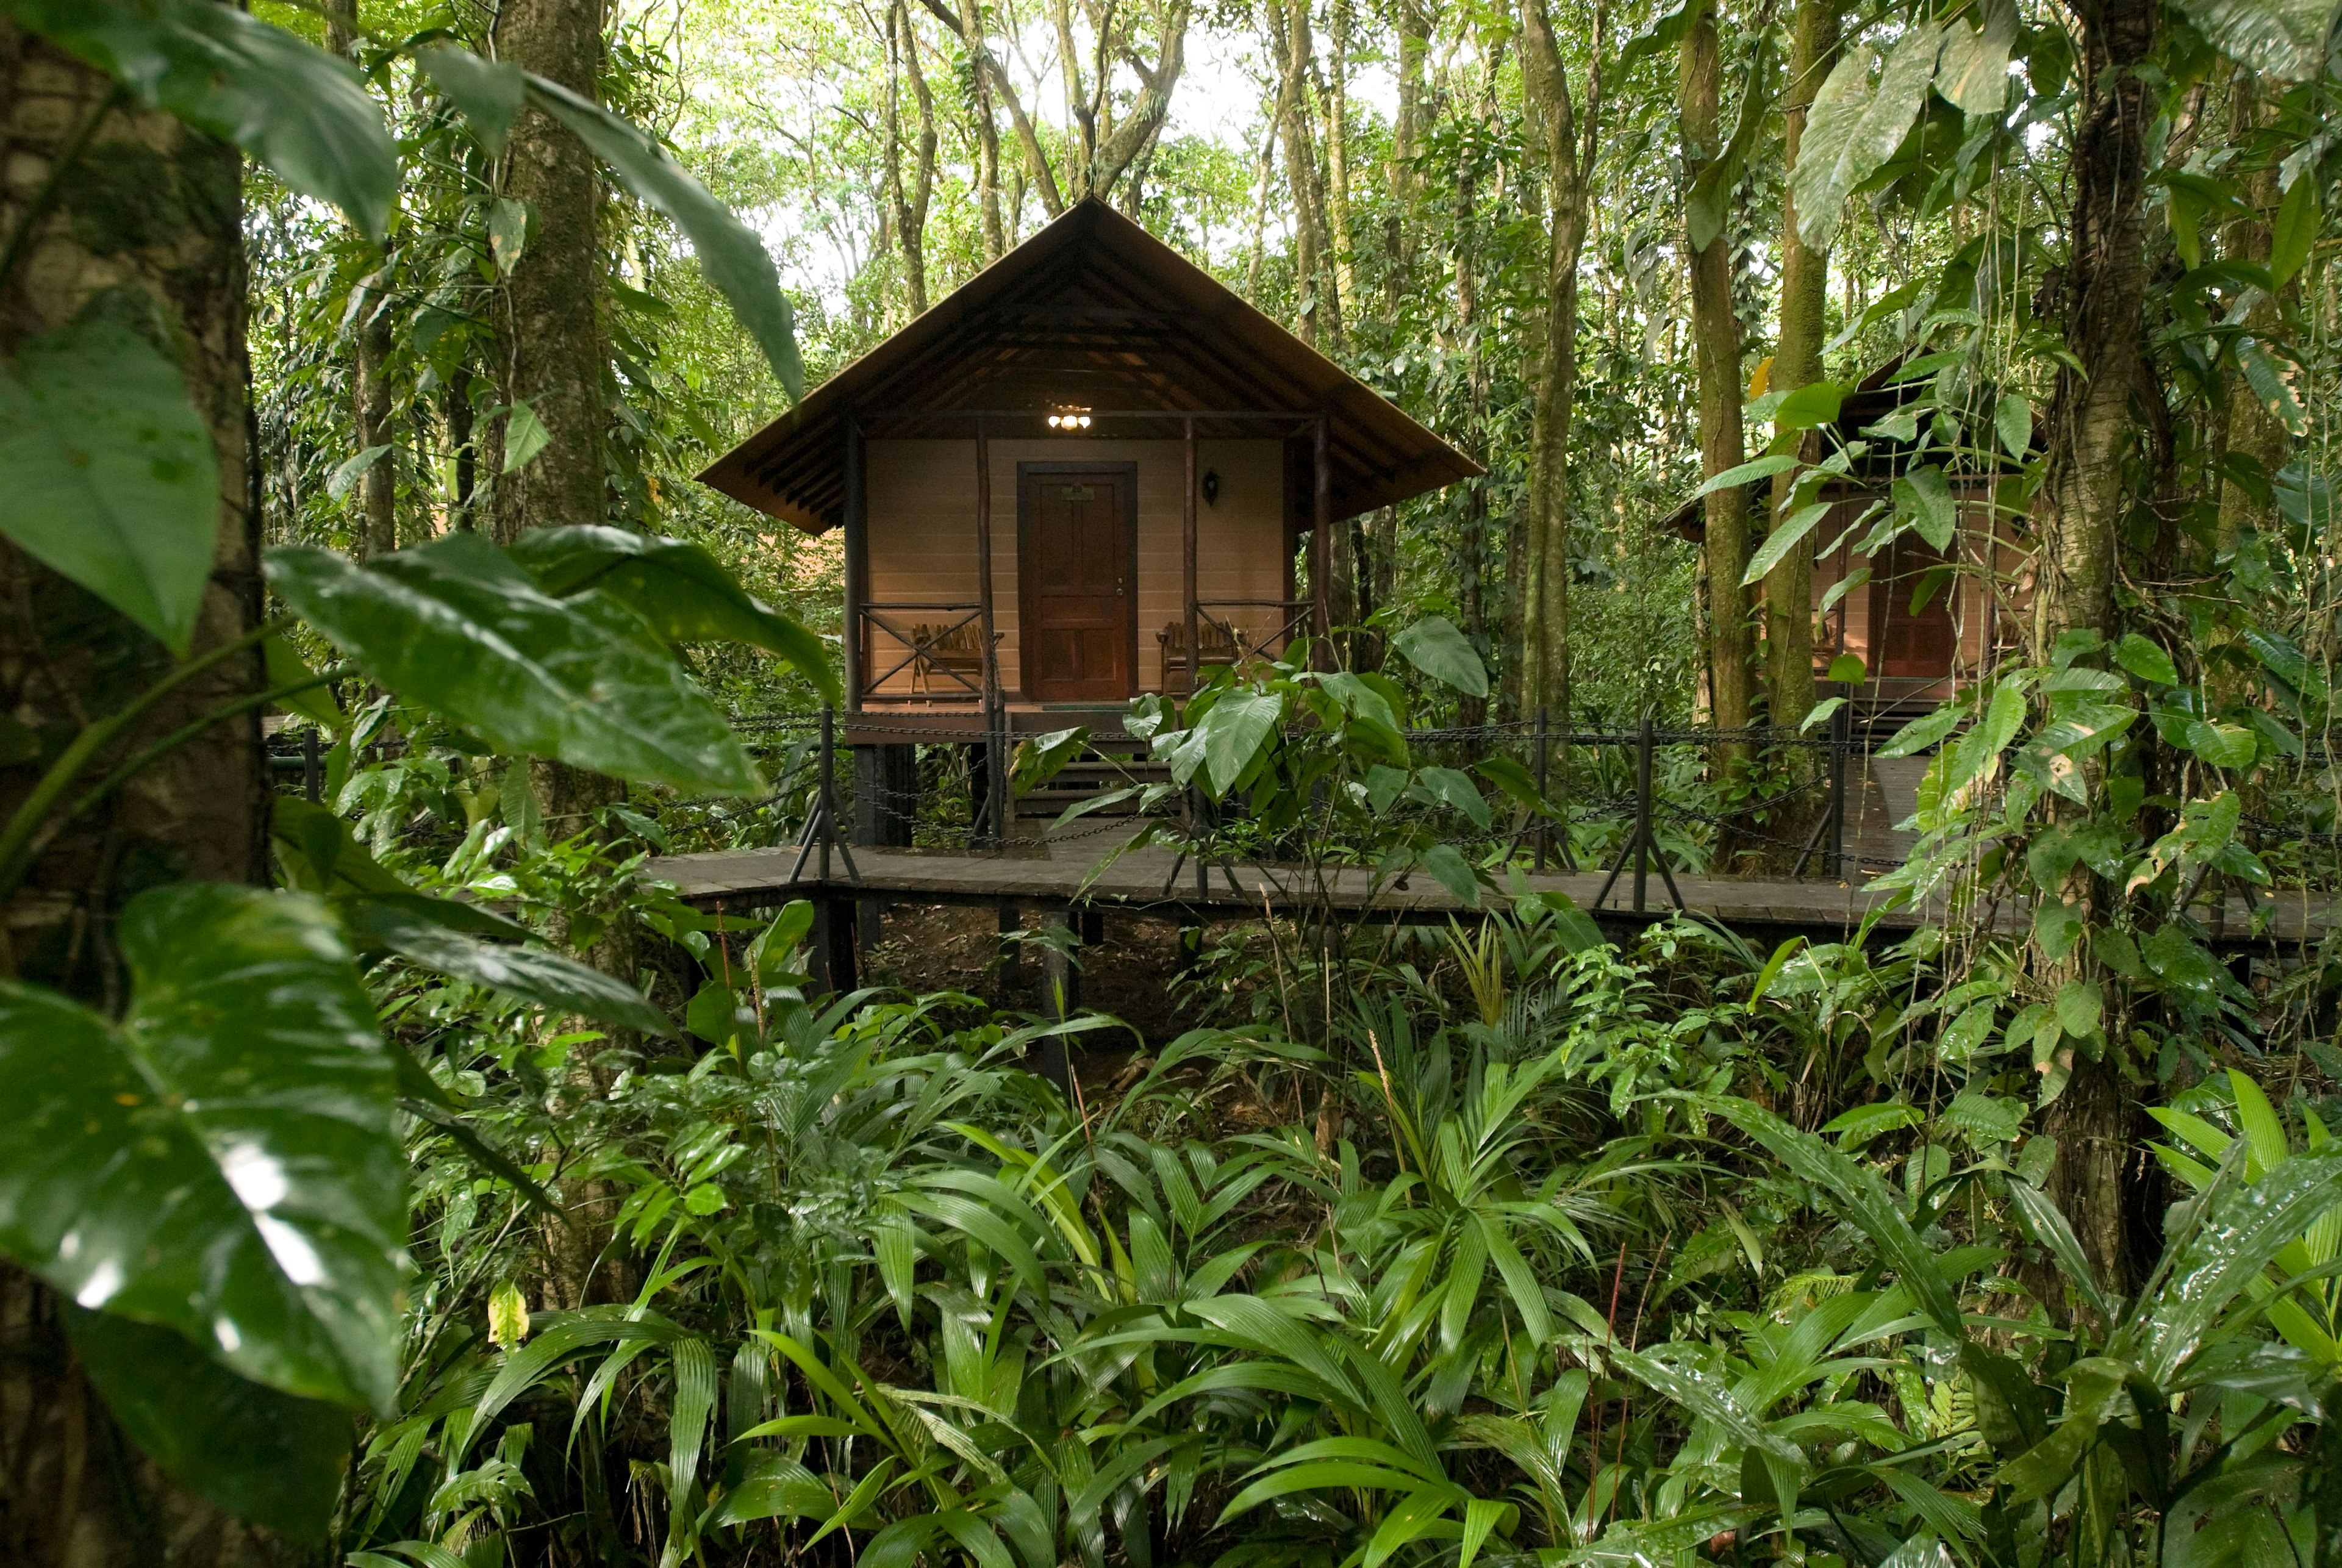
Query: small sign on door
point(1080, 492)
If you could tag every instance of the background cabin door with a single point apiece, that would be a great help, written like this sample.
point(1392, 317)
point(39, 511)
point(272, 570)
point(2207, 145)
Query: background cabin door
point(1077, 581)
point(1904, 644)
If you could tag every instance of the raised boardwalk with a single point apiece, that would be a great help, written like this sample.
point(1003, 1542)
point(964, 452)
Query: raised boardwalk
point(1063, 876)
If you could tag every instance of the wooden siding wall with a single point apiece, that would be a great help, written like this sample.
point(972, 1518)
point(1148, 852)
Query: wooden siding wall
point(922, 536)
point(1974, 612)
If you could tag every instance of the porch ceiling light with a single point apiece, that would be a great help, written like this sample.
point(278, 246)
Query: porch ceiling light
point(1070, 419)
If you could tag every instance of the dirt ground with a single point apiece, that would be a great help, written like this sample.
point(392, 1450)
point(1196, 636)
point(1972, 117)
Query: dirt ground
point(1127, 973)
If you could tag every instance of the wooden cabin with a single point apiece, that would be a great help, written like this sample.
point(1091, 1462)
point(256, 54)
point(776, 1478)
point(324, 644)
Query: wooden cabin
point(1915, 658)
point(1084, 475)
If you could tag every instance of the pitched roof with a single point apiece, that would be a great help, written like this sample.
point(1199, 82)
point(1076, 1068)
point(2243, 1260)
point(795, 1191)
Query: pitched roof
point(1094, 312)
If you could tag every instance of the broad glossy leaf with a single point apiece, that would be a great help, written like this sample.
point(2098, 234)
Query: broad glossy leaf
point(284, 668)
point(1853, 129)
point(2298, 219)
point(1785, 537)
point(559, 984)
point(732, 257)
point(318, 853)
point(489, 92)
point(112, 478)
point(1861, 1196)
point(2012, 421)
point(1435, 646)
point(2281, 39)
point(270, 1458)
point(2146, 660)
point(457, 627)
point(682, 592)
point(1446, 863)
point(1973, 72)
point(1925, 497)
point(1233, 733)
point(1454, 789)
point(223, 1162)
point(290, 105)
point(1748, 473)
point(2243, 1226)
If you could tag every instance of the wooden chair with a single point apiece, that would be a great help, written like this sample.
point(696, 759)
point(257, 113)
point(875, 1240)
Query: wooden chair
point(1215, 643)
point(957, 651)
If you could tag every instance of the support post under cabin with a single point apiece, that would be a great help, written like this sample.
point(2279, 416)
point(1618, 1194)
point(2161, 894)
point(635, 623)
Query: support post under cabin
point(1321, 552)
point(1061, 984)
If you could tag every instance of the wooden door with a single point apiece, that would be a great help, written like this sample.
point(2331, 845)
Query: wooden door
point(1077, 581)
point(1904, 644)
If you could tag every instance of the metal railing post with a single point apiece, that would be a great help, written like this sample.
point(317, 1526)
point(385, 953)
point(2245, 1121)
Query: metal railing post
point(827, 807)
point(1841, 742)
point(1641, 810)
point(1544, 826)
point(312, 779)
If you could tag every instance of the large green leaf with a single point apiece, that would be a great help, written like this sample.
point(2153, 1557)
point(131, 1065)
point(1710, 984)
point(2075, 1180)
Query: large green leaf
point(2243, 1228)
point(1863, 1198)
point(1435, 646)
point(679, 588)
point(1228, 736)
point(2282, 38)
point(489, 92)
point(271, 1457)
point(457, 627)
point(1852, 128)
point(561, 985)
point(733, 258)
point(224, 1162)
point(112, 478)
point(290, 105)
point(1974, 72)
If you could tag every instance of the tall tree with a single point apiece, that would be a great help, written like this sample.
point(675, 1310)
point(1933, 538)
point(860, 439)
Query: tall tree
point(2091, 430)
point(1716, 353)
point(370, 386)
point(909, 194)
point(554, 347)
point(987, 134)
point(1569, 152)
point(122, 220)
point(1294, 48)
point(1788, 587)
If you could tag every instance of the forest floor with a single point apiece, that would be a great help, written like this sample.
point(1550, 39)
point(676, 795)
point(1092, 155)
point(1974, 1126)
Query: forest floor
point(1130, 974)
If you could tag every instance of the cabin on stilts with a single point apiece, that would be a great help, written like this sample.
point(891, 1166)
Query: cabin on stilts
point(1085, 474)
point(1924, 616)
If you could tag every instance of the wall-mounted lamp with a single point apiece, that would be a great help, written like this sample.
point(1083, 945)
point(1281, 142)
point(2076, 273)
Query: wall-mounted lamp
point(1211, 488)
point(1070, 419)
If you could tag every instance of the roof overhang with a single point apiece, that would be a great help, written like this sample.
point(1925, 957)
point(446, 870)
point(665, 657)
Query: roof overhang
point(1092, 312)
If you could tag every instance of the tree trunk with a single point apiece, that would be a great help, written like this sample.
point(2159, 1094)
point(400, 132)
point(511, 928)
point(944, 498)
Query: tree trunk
point(1567, 170)
point(2090, 432)
point(2105, 285)
point(1472, 575)
point(1716, 351)
point(556, 359)
point(1797, 362)
point(370, 389)
point(145, 229)
point(910, 200)
point(987, 141)
point(1319, 313)
point(1338, 161)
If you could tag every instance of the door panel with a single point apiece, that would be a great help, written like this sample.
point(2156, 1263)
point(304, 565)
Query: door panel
point(1904, 644)
point(1077, 593)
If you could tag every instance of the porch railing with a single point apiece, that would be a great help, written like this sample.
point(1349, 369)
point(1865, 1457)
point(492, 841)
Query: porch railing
point(950, 649)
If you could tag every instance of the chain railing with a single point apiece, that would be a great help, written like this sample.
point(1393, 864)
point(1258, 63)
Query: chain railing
point(1626, 802)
